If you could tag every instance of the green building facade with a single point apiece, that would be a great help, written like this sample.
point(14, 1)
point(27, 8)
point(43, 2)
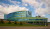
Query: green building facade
point(26, 16)
point(17, 14)
point(33, 20)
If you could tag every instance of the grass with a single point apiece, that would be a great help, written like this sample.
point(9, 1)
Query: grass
point(20, 25)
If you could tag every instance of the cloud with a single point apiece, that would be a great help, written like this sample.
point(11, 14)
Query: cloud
point(24, 4)
point(4, 5)
point(12, 8)
point(46, 10)
point(47, 3)
point(41, 11)
point(1, 16)
point(38, 5)
point(32, 3)
point(14, 2)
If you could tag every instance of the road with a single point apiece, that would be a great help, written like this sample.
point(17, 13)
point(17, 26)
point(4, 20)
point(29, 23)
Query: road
point(48, 27)
point(25, 27)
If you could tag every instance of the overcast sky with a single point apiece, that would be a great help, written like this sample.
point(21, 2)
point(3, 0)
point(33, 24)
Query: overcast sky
point(37, 7)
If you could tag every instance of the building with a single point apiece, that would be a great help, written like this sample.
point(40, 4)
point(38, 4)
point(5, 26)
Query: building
point(23, 14)
point(26, 16)
point(14, 15)
point(33, 20)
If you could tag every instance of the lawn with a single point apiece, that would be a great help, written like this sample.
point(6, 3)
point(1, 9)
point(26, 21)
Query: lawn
point(19, 25)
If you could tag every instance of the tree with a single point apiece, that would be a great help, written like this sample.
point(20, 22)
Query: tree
point(2, 21)
point(15, 22)
point(21, 23)
point(9, 22)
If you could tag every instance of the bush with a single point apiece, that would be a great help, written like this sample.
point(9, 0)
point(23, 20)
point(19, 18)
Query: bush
point(9, 22)
point(2, 21)
point(15, 22)
point(21, 23)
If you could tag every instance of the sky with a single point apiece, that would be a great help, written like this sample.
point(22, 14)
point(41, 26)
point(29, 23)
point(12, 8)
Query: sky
point(37, 7)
